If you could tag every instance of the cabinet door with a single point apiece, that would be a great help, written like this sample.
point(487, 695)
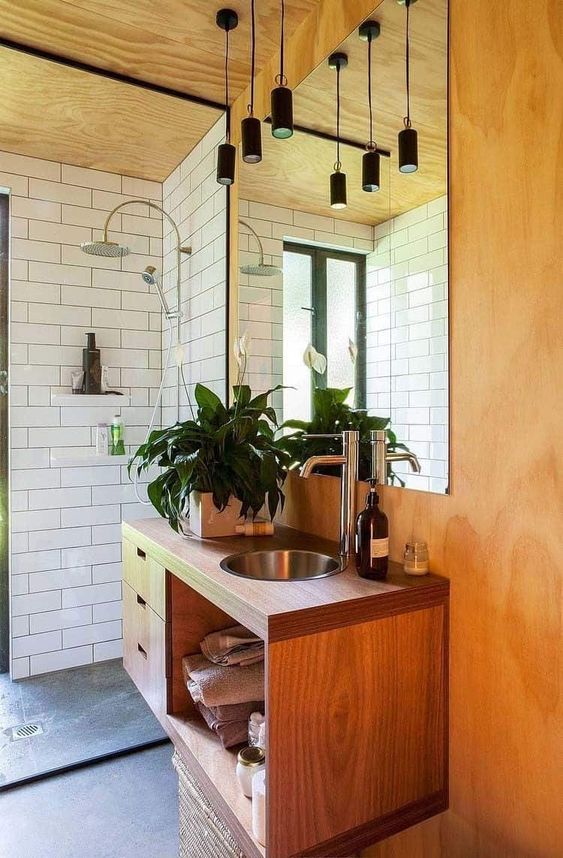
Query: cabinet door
point(145, 576)
point(144, 639)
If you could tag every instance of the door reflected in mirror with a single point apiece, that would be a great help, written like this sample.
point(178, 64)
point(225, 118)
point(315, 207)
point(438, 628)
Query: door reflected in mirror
point(361, 301)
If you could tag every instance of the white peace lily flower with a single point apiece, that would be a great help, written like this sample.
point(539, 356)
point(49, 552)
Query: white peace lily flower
point(353, 350)
point(241, 347)
point(314, 359)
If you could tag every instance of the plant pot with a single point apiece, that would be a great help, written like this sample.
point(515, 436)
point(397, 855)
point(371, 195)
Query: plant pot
point(207, 521)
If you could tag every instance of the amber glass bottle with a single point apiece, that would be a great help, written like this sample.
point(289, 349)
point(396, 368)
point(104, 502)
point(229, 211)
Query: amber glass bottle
point(372, 539)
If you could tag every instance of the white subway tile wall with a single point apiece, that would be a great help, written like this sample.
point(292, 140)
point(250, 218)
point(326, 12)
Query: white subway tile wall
point(198, 204)
point(66, 543)
point(407, 338)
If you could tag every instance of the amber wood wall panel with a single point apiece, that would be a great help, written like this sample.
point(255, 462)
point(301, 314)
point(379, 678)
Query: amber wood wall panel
point(373, 697)
point(498, 536)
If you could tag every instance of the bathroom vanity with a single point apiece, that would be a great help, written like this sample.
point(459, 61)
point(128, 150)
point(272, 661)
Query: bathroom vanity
point(356, 690)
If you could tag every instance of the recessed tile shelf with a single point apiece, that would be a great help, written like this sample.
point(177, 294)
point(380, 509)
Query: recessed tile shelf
point(85, 400)
point(84, 458)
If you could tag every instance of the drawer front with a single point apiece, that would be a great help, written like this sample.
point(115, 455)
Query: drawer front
point(145, 576)
point(144, 648)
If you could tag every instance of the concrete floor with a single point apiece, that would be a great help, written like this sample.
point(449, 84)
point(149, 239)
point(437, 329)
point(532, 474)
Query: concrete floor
point(85, 712)
point(123, 808)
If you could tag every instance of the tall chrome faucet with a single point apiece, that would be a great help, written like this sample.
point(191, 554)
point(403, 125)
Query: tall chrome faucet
point(349, 463)
point(380, 457)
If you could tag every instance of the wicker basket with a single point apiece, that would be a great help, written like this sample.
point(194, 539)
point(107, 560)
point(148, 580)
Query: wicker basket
point(202, 833)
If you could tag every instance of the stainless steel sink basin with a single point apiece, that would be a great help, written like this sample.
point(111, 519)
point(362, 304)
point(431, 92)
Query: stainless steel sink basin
point(279, 565)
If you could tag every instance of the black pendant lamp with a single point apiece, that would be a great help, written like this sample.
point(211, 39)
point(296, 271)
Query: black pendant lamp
point(227, 20)
point(282, 97)
point(250, 126)
point(408, 138)
point(338, 198)
point(369, 31)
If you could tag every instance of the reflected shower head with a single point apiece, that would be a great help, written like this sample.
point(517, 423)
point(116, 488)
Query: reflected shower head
point(261, 270)
point(104, 248)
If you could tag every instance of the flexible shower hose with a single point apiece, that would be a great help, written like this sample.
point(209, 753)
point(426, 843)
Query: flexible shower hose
point(153, 416)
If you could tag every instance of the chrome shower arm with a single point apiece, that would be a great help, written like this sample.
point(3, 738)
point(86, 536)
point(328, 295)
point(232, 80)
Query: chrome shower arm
point(151, 206)
point(257, 237)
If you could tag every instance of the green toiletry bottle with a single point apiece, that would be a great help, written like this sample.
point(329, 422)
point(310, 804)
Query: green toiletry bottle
point(117, 445)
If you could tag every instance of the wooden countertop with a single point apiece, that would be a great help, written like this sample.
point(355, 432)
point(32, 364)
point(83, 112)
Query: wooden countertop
point(277, 610)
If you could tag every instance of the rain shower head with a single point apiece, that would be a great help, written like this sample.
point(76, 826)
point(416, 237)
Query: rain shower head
point(261, 269)
point(104, 248)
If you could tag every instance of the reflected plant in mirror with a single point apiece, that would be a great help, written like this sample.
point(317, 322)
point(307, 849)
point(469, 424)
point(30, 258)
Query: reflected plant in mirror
point(369, 281)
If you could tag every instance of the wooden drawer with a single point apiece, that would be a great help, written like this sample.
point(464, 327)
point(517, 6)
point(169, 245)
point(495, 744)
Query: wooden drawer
point(145, 576)
point(144, 644)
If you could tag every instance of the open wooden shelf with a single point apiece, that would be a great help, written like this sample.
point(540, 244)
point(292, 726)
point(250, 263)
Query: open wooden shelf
point(214, 767)
point(356, 688)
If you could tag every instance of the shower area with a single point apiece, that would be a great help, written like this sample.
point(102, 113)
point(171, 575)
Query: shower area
point(142, 264)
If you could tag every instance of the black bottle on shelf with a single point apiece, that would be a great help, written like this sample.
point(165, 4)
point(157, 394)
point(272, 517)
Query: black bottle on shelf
point(372, 539)
point(92, 367)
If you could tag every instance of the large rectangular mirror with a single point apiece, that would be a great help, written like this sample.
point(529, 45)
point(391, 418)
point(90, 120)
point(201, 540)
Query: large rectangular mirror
point(365, 285)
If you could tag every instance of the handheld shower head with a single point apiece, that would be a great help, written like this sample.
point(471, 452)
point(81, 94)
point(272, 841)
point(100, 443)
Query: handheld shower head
point(104, 248)
point(148, 275)
point(151, 278)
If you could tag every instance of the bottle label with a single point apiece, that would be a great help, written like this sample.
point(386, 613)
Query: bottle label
point(379, 548)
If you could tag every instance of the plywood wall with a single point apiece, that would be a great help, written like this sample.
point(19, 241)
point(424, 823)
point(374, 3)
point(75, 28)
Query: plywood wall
point(498, 537)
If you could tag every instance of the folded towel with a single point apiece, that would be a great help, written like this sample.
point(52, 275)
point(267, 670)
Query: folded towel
point(237, 711)
point(230, 732)
point(217, 685)
point(236, 645)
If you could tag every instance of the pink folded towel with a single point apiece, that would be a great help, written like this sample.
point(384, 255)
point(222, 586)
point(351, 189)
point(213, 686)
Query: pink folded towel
point(237, 711)
point(230, 732)
point(236, 645)
point(217, 685)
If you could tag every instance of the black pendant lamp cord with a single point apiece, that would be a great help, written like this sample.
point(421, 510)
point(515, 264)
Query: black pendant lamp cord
point(407, 119)
point(252, 55)
point(281, 78)
point(338, 164)
point(228, 112)
point(371, 142)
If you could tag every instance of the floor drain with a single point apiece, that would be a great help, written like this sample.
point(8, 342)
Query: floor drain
point(26, 731)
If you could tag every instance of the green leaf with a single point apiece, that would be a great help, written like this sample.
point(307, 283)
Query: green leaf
point(205, 398)
point(242, 395)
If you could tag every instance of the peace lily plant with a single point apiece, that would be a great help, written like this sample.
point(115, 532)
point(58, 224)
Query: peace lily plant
point(221, 465)
point(332, 414)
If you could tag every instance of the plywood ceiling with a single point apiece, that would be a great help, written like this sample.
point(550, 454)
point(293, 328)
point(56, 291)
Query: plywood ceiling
point(49, 111)
point(296, 172)
point(62, 114)
point(175, 43)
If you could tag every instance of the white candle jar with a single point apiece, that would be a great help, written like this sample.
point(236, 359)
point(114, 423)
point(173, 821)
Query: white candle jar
point(416, 558)
point(250, 761)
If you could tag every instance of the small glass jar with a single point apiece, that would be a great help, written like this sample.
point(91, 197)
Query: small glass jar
point(250, 761)
point(259, 807)
point(254, 722)
point(416, 558)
